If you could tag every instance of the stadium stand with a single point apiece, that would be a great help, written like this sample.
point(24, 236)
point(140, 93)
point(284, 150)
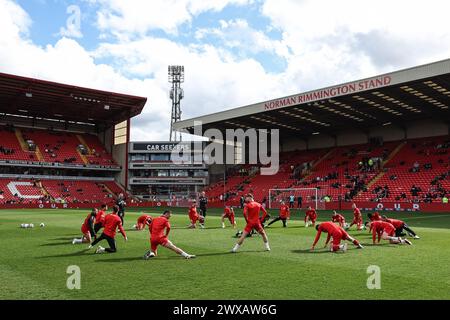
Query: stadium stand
point(10, 148)
point(60, 191)
point(387, 172)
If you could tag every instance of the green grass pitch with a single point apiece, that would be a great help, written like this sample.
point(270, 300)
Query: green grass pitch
point(33, 262)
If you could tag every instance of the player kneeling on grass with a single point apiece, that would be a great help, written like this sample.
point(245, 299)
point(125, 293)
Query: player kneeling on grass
point(194, 217)
point(285, 214)
point(338, 234)
point(229, 213)
point(112, 222)
point(87, 228)
point(338, 218)
point(399, 225)
point(385, 231)
point(159, 231)
point(251, 215)
point(142, 221)
point(310, 217)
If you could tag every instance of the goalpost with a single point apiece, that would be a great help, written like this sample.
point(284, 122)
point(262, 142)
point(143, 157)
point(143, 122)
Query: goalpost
point(310, 197)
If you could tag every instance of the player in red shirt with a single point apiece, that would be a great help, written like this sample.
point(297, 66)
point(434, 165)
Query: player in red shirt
point(100, 218)
point(374, 217)
point(194, 216)
point(143, 221)
point(285, 214)
point(385, 231)
point(337, 233)
point(112, 222)
point(310, 217)
point(357, 218)
point(87, 228)
point(229, 213)
point(251, 215)
point(339, 218)
point(399, 226)
point(159, 230)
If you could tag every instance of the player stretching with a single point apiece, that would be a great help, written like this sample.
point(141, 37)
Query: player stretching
point(100, 218)
point(229, 213)
point(112, 222)
point(374, 217)
point(385, 231)
point(87, 228)
point(337, 233)
point(285, 214)
point(399, 225)
point(194, 216)
point(357, 218)
point(339, 218)
point(143, 221)
point(251, 214)
point(310, 217)
point(159, 237)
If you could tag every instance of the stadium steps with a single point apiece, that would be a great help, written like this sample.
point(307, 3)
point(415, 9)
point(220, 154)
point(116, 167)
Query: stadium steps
point(45, 192)
point(395, 152)
point(24, 145)
point(382, 173)
point(374, 180)
point(315, 164)
point(110, 191)
point(83, 142)
point(39, 154)
point(21, 140)
point(83, 157)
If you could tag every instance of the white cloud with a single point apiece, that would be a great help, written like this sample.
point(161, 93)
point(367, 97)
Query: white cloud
point(140, 16)
point(323, 43)
point(238, 34)
point(334, 41)
point(214, 78)
point(68, 62)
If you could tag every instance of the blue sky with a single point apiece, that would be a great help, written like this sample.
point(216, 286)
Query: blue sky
point(236, 52)
point(50, 15)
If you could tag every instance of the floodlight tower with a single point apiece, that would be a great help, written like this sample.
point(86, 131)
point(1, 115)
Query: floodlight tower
point(176, 78)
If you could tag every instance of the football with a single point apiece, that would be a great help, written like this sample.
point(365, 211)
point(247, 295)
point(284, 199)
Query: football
point(42, 225)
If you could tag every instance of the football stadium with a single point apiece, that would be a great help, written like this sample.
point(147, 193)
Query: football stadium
point(364, 165)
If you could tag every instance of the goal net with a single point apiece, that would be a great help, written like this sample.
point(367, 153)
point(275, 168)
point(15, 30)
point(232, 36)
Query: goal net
point(308, 196)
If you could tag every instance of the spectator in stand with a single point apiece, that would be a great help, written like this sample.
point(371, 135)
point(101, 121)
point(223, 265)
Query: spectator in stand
point(416, 167)
point(415, 190)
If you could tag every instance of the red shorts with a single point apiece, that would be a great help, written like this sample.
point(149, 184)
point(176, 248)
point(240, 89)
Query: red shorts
point(194, 219)
point(84, 229)
point(155, 242)
point(312, 218)
point(253, 225)
point(337, 237)
point(390, 231)
point(229, 216)
point(357, 220)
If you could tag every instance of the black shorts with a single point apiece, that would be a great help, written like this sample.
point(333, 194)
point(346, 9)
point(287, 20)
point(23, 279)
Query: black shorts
point(111, 241)
point(97, 227)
